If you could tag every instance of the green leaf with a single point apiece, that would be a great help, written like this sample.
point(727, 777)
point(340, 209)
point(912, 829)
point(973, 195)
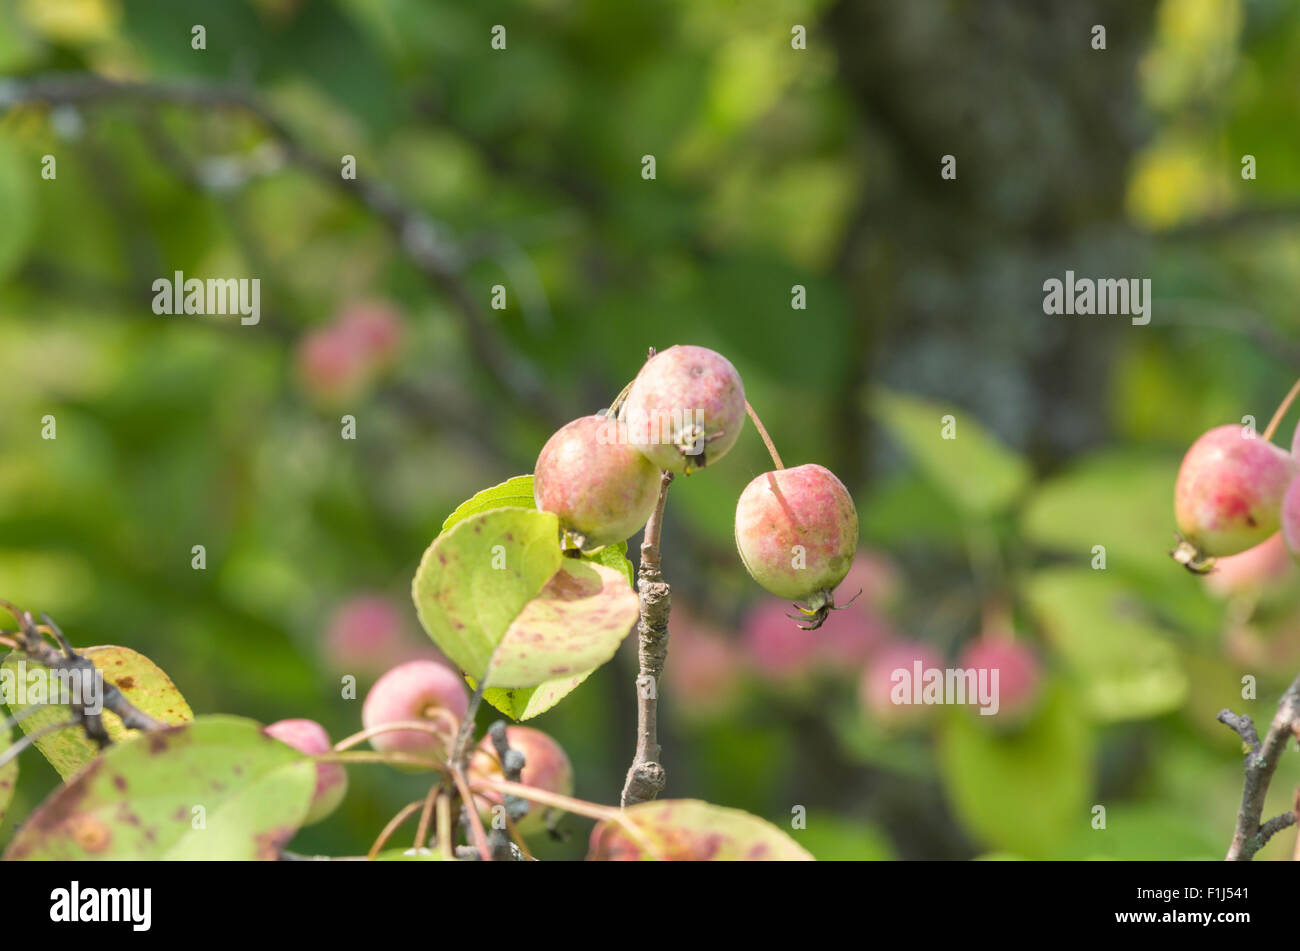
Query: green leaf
point(978, 473)
point(140, 680)
point(1122, 501)
point(524, 703)
point(614, 556)
point(518, 493)
point(831, 838)
point(572, 627)
point(690, 830)
point(513, 493)
point(496, 595)
point(217, 788)
point(8, 772)
point(1023, 791)
point(1097, 622)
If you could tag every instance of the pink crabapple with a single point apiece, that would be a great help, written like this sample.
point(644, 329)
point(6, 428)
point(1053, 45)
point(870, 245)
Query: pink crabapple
point(1228, 495)
point(591, 477)
point(368, 634)
point(308, 736)
point(546, 767)
point(686, 408)
point(706, 663)
point(374, 327)
point(797, 531)
point(416, 690)
point(1019, 673)
point(883, 676)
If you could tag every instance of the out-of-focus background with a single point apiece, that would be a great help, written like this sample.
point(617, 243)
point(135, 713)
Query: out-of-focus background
point(774, 167)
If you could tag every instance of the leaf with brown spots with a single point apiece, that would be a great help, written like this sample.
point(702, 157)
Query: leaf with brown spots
point(138, 800)
point(501, 601)
point(474, 580)
point(574, 625)
point(689, 830)
point(140, 680)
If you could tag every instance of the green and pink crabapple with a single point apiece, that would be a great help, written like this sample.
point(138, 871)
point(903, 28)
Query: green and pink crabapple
point(685, 409)
point(308, 736)
point(797, 531)
point(414, 691)
point(546, 767)
point(1228, 495)
point(597, 483)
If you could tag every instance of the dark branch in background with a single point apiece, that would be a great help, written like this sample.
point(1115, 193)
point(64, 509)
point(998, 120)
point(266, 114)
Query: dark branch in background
point(422, 240)
point(646, 778)
point(38, 649)
point(1250, 834)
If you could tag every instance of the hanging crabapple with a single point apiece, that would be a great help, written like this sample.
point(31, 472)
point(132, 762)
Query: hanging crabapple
point(308, 736)
point(685, 408)
point(1228, 496)
point(546, 767)
point(1019, 676)
point(592, 477)
point(418, 690)
point(797, 530)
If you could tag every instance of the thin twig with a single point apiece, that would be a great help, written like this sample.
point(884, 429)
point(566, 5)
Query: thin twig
point(1250, 835)
point(11, 753)
point(386, 833)
point(423, 240)
point(646, 777)
point(426, 814)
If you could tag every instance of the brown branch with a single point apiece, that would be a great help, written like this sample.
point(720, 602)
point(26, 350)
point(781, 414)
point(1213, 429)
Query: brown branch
point(646, 778)
point(423, 240)
point(35, 647)
point(1250, 834)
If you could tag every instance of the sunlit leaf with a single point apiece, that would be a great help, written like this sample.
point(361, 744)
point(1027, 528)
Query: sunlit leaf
point(496, 595)
point(141, 681)
point(217, 788)
point(691, 830)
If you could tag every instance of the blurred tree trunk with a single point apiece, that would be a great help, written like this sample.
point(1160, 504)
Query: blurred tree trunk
point(947, 275)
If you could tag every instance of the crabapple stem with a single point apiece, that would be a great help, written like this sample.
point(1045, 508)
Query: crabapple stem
point(470, 810)
point(645, 778)
point(426, 816)
point(405, 813)
point(767, 440)
point(1281, 411)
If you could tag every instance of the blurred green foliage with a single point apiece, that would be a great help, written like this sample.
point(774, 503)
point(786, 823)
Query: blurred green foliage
point(775, 167)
